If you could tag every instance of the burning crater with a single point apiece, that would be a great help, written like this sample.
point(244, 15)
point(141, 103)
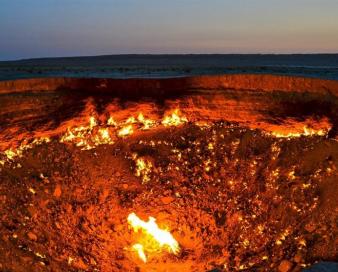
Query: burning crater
point(226, 173)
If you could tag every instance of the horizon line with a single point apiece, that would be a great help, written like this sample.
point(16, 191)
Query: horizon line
point(162, 54)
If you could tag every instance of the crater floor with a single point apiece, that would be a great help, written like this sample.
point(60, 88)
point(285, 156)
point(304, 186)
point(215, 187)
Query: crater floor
point(234, 198)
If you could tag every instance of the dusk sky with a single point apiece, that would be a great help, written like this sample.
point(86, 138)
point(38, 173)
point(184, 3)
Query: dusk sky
point(48, 28)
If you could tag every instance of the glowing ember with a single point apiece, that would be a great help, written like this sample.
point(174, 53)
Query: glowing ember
point(174, 119)
point(156, 237)
point(125, 131)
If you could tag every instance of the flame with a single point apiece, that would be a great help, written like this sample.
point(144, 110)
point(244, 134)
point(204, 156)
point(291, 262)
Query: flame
point(11, 154)
point(140, 251)
point(92, 122)
point(111, 122)
point(147, 123)
point(143, 168)
point(96, 133)
point(306, 132)
point(174, 119)
point(88, 137)
point(161, 238)
point(131, 120)
point(103, 137)
point(125, 131)
point(79, 135)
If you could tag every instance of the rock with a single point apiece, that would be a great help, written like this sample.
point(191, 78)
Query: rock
point(26, 259)
point(32, 236)
point(298, 258)
point(79, 264)
point(285, 266)
point(57, 191)
point(104, 195)
point(167, 200)
point(310, 227)
point(92, 261)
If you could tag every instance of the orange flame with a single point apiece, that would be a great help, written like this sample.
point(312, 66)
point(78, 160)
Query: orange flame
point(111, 122)
point(140, 251)
point(174, 119)
point(143, 168)
point(147, 123)
point(125, 131)
point(306, 132)
point(162, 238)
point(11, 154)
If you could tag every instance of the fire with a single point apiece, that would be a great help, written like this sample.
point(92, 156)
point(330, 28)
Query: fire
point(156, 238)
point(143, 168)
point(89, 136)
point(96, 133)
point(111, 122)
point(174, 119)
point(11, 154)
point(103, 137)
point(92, 122)
point(125, 131)
point(131, 120)
point(147, 123)
point(79, 135)
point(306, 132)
point(140, 251)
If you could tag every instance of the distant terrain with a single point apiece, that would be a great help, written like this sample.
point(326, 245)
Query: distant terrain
point(323, 66)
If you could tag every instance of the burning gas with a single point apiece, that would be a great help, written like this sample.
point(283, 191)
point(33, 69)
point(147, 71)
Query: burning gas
point(156, 239)
point(306, 131)
point(143, 168)
point(94, 133)
point(147, 123)
point(140, 252)
point(11, 154)
point(88, 136)
point(125, 131)
point(174, 119)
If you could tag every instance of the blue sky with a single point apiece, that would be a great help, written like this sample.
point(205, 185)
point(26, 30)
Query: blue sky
point(41, 28)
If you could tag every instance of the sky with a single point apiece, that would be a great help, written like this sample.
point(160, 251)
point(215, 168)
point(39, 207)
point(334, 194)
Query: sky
point(55, 28)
